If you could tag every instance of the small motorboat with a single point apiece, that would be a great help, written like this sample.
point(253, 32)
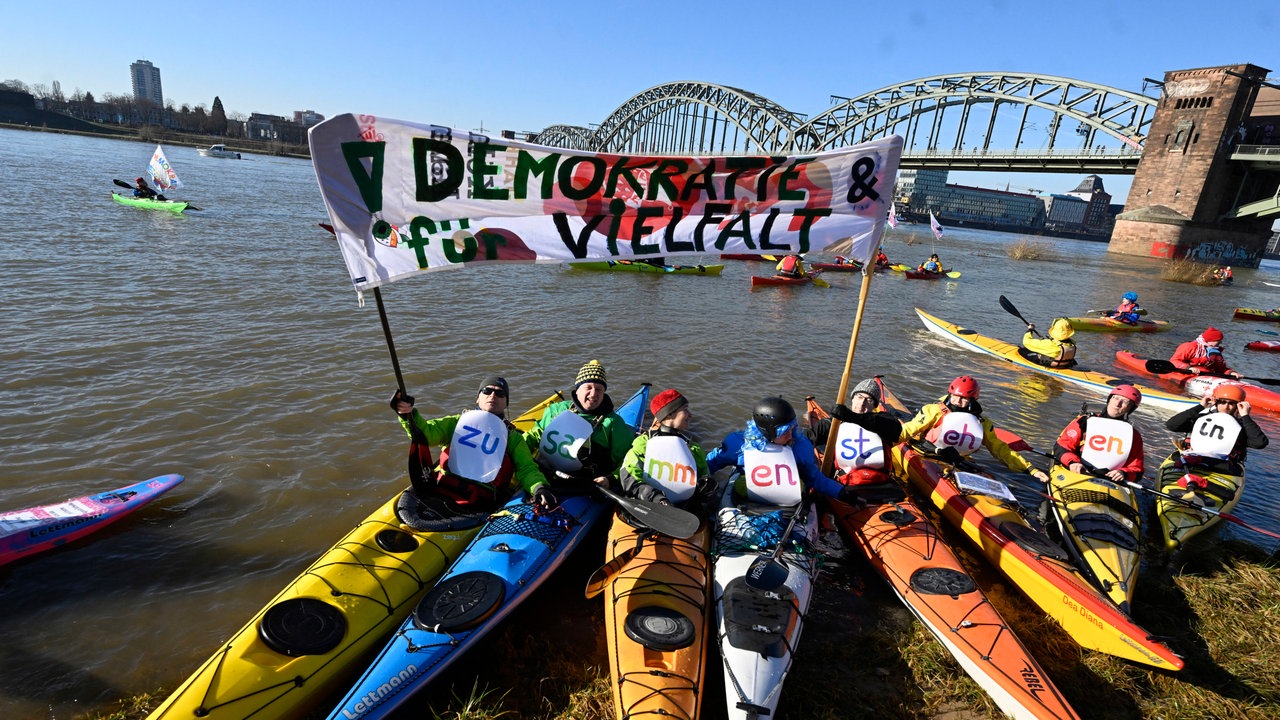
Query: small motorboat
point(219, 151)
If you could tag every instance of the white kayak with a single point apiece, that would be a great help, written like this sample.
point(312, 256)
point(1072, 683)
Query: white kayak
point(758, 629)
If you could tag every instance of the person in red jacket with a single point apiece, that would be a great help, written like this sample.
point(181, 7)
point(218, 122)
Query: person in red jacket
point(1104, 443)
point(1203, 356)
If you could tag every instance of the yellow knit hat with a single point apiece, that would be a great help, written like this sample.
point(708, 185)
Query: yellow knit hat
point(591, 372)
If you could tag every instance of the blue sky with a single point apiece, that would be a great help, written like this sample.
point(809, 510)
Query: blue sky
point(524, 66)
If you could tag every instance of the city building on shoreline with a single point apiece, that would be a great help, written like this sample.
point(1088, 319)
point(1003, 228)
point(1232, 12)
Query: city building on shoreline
point(146, 82)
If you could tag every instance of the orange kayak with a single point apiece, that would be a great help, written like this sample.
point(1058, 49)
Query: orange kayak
point(905, 548)
point(657, 621)
point(1033, 562)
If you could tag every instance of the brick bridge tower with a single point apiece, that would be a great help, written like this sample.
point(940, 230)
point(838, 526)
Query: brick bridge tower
point(1186, 183)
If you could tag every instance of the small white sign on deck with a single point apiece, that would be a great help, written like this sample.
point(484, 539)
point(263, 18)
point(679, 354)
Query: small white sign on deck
point(985, 485)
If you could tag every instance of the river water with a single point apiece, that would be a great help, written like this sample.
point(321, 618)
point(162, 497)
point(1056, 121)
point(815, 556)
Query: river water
point(227, 345)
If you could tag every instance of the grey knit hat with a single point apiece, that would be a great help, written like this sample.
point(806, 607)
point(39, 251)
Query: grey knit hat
point(869, 387)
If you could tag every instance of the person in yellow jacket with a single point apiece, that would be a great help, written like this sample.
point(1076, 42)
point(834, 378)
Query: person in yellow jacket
point(1056, 351)
point(954, 435)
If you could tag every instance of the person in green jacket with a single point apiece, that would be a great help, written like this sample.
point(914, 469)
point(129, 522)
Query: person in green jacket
point(675, 473)
point(579, 441)
point(477, 478)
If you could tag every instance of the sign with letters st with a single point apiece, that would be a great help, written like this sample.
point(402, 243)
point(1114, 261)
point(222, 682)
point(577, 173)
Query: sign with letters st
point(406, 198)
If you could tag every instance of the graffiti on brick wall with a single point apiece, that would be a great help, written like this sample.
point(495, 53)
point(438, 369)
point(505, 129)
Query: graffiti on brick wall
point(1221, 250)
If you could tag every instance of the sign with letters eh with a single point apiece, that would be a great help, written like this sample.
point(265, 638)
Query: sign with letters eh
point(772, 475)
point(959, 430)
point(478, 447)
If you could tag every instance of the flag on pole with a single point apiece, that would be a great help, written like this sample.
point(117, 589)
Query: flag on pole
point(163, 176)
point(893, 215)
point(937, 227)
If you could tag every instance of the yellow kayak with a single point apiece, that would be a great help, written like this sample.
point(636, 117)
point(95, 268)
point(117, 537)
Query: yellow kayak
point(1180, 521)
point(1101, 527)
point(1092, 380)
point(313, 637)
point(657, 621)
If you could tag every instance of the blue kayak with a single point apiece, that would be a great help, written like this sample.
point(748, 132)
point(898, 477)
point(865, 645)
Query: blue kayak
point(516, 550)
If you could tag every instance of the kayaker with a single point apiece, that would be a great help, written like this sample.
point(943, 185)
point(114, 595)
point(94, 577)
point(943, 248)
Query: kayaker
point(470, 473)
point(933, 265)
point(947, 425)
point(1203, 356)
point(1104, 443)
point(1210, 436)
point(863, 411)
point(579, 441)
point(142, 190)
point(841, 260)
point(791, 266)
point(665, 464)
point(1057, 350)
point(882, 260)
point(861, 457)
point(772, 455)
point(1127, 311)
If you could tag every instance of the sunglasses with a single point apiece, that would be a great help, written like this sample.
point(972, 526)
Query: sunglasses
point(493, 391)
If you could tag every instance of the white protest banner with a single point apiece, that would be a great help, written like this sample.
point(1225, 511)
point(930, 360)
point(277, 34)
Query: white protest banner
point(406, 198)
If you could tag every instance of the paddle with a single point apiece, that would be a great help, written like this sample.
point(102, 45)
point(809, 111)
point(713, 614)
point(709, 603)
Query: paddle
point(819, 282)
point(1268, 332)
point(899, 267)
point(599, 579)
point(1017, 443)
point(770, 573)
point(1140, 311)
point(665, 519)
point(1009, 308)
point(1160, 367)
point(953, 274)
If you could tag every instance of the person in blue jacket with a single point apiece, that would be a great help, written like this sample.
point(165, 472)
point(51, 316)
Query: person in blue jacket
point(774, 422)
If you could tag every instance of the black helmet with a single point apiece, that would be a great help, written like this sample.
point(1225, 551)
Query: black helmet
point(772, 413)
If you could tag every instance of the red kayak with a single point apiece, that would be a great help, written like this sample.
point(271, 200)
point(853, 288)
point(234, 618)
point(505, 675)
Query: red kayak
point(759, 281)
point(1265, 345)
point(853, 266)
point(1198, 385)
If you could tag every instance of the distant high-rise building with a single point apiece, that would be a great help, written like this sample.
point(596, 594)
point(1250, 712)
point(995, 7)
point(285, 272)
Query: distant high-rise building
point(146, 82)
point(307, 118)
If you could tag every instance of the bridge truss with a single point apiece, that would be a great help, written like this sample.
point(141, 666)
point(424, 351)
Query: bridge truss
point(968, 121)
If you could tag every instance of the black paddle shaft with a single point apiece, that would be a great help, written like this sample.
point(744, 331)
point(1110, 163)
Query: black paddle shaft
point(1009, 308)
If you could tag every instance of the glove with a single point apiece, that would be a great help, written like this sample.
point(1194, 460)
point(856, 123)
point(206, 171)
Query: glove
point(842, 413)
point(398, 397)
point(850, 496)
point(950, 454)
point(544, 497)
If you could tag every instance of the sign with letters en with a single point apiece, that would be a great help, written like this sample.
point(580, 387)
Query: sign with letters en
point(406, 198)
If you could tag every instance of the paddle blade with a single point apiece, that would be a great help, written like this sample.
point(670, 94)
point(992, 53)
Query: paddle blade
point(766, 574)
point(664, 519)
point(819, 282)
point(600, 579)
point(953, 274)
point(1159, 367)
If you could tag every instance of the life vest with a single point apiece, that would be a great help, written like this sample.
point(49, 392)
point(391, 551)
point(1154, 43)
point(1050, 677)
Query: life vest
point(789, 265)
point(932, 266)
point(565, 440)
point(858, 447)
point(1066, 354)
point(1106, 442)
point(475, 464)
point(1214, 435)
point(960, 430)
point(772, 475)
point(669, 465)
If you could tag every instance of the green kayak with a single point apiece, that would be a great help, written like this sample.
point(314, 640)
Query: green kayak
point(170, 205)
point(630, 266)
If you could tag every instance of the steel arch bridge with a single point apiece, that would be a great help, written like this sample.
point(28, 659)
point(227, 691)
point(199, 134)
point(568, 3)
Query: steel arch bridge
point(966, 121)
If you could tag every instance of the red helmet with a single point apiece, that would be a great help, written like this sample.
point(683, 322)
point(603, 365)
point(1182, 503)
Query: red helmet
point(964, 386)
point(1228, 392)
point(138, 180)
point(1129, 392)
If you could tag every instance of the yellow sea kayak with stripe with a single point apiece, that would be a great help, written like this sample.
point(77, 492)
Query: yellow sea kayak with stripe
point(1101, 527)
point(1092, 380)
